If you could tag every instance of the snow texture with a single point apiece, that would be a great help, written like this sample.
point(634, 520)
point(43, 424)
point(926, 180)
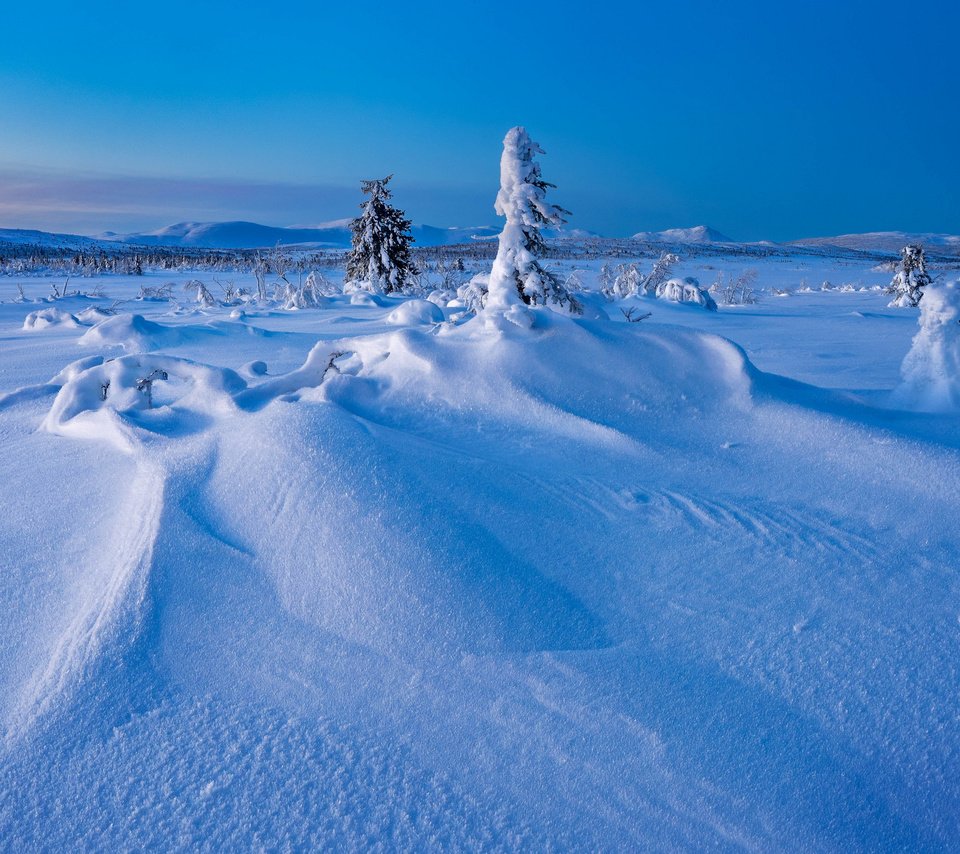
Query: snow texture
point(356, 577)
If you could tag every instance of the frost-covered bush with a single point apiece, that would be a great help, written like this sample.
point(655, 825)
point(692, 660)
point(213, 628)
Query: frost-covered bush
point(204, 298)
point(517, 276)
point(156, 292)
point(627, 282)
point(311, 292)
point(737, 290)
point(662, 268)
point(473, 294)
point(931, 370)
point(574, 282)
point(685, 290)
point(910, 279)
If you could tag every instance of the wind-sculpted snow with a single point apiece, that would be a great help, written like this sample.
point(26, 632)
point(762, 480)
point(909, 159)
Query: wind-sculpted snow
point(109, 398)
point(46, 317)
point(564, 583)
point(135, 334)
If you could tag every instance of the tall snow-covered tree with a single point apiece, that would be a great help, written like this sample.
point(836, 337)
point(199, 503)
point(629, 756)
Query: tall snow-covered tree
point(381, 240)
point(517, 275)
point(910, 278)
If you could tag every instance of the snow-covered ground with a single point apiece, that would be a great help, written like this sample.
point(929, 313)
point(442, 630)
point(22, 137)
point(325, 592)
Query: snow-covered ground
point(359, 578)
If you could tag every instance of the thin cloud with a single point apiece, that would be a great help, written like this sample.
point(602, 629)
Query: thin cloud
point(33, 198)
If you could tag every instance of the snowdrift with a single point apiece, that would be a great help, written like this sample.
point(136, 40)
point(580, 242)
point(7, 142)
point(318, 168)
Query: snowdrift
point(320, 606)
point(47, 317)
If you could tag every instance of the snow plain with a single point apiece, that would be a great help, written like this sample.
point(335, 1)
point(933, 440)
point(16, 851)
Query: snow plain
point(360, 578)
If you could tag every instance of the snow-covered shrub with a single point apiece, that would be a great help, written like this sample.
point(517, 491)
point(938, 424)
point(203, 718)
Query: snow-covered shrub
point(910, 279)
point(441, 298)
point(685, 290)
point(627, 282)
point(381, 241)
point(320, 286)
point(450, 273)
point(574, 282)
point(931, 370)
point(156, 292)
point(231, 293)
point(473, 295)
point(204, 298)
point(59, 292)
point(311, 292)
point(737, 290)
point(606, 278)
point(517, 276)
point(662, 268)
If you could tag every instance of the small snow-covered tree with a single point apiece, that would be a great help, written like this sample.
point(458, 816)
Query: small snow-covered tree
point(662, 268)
point(517, 275)
point(628, 282)
point(910, 278)
point(931, 370)
point(381, 240)
point(606, 277)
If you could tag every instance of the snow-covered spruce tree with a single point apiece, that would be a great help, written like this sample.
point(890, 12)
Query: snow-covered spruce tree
point(910, 278)
point(381, 241)
point(517, 276)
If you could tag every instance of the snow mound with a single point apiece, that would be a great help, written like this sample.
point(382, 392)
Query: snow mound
point(47, 317)
point(363, 298)
point(685, 290)
point(135, 334)
point(415, 312)
point(103, 399)
point(93, 315)
point(428, 579)
point(131, 331)
point(931, 370)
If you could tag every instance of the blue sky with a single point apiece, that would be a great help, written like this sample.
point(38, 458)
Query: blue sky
point(763, 120)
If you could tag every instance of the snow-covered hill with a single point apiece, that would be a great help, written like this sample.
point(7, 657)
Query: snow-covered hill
point(697, 234)
point(887, 241)
point(251, 235)
point(32, 237)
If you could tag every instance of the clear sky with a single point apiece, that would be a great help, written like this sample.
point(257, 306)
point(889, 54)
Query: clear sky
point(762, 119)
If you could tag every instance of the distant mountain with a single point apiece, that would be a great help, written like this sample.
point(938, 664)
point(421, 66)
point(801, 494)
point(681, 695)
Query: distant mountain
point(32, 237)
point(887, 241)
point(697, 234)
point(237, 235)
point(327, 235)
point(251, 235)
